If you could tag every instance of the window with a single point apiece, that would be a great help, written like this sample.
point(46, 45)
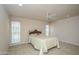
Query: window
point(15, 31)
point(47, 30)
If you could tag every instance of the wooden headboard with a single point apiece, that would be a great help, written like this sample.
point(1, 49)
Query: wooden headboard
point(35, 32)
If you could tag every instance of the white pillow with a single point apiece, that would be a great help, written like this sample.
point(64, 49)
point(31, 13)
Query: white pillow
point(34, 35)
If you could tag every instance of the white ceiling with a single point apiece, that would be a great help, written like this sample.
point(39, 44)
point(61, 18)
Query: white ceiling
point(39, 11)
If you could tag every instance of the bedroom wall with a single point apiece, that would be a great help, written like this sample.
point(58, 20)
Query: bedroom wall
point(66, 30)
point(4, 31)
point(29, 24)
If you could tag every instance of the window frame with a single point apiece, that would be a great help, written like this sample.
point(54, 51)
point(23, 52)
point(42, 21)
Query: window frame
point(47, 33)
point(15, 32)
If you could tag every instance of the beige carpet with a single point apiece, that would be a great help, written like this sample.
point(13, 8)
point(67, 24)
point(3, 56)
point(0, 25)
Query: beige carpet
point(28, 49)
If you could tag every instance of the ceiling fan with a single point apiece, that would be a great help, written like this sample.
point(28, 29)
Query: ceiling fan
point(51, 16)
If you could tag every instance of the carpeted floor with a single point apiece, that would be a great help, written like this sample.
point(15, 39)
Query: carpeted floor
point(28, 49)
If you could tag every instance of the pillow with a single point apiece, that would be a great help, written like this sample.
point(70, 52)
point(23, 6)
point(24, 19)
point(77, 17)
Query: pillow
point(34, 35)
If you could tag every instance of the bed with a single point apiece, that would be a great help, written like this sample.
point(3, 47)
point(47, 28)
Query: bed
point(41, 42)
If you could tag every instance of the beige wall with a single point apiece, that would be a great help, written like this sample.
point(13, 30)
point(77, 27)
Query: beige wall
point(4, 31)
point(29, 24)
point(66, 30)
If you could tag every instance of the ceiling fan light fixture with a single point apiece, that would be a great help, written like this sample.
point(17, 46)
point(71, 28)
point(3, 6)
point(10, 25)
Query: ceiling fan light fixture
point(20, 4)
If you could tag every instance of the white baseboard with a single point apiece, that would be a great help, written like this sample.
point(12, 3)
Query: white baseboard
point(17, 43)
point(70, 42)
point(3, 53)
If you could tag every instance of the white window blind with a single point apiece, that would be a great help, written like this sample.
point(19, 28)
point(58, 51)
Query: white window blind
point(47, 30)
point(15, 30)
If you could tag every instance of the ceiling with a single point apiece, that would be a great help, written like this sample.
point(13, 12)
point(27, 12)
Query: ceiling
point(47, 12)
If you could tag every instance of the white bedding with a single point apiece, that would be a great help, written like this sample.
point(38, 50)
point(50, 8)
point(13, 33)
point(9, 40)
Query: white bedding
point(43, 42)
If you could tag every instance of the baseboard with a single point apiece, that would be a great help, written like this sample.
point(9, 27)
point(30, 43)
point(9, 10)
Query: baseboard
point(70, 42)
point(18, 43)
point(3, 53)
point(59, 40)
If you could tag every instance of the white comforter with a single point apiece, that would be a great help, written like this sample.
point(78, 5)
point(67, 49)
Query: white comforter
point(43, 42)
